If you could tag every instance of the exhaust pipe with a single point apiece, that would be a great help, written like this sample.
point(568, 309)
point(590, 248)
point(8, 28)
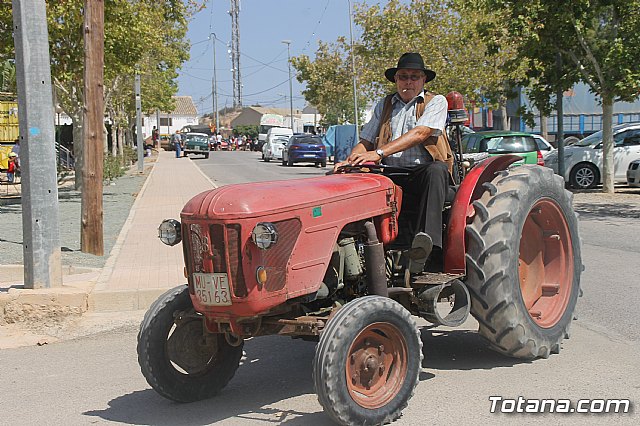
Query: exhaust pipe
point(375, 264)
point(461, 307)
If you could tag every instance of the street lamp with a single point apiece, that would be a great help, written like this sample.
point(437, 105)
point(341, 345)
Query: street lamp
point(213, 84)
point(288, 43)
point(353, 70)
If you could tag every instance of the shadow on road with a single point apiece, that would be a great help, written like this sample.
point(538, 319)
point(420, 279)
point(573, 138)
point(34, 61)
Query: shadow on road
point(460, 350)
point(275, 372)
point(608, 210)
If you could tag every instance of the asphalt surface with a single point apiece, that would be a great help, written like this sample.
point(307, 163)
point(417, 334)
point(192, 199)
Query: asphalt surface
point(117, 201)
point(95, 379)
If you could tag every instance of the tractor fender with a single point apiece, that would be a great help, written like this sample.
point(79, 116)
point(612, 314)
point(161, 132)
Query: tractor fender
point(462, 211)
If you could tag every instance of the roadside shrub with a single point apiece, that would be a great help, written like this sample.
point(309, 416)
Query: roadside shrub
point(130, 155)
point(112, 167)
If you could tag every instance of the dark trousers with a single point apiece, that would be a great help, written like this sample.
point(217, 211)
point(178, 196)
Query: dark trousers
point(424, 191)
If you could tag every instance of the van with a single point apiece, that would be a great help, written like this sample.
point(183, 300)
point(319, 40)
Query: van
point(275, 135)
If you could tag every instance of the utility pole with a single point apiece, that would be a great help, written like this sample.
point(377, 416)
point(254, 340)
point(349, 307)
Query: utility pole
point(40, 227)
point(214, 94)
point(91, 238)
point(158, 127)
point(139, 141)
point(288, 43)
point(353, 71)
point(560, 120)
point(235, 53)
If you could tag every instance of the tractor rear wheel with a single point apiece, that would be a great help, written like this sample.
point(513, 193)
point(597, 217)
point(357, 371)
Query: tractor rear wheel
point(178, 359)
point(367, 363)
point(523, 262)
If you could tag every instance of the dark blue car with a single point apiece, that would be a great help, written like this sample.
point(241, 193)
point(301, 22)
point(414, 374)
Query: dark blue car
point(305, 149)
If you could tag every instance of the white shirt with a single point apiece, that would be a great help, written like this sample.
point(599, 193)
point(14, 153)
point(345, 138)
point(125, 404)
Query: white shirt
point(403, 119)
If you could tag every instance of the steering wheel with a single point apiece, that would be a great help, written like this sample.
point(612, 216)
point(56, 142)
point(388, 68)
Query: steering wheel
point(371, 168)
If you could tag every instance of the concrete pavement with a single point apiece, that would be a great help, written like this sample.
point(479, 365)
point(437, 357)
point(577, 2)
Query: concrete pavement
point(139, 267)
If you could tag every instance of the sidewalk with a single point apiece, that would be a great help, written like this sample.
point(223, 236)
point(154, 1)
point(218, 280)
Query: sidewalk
point(138, 268)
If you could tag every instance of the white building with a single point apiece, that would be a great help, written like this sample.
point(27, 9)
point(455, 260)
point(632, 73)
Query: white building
point(184, 114)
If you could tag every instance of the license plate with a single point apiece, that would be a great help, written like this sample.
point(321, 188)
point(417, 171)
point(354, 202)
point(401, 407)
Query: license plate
point(212, 289)
point(309, 155)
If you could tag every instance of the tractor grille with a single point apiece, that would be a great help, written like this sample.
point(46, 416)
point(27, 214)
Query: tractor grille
point(234, 250)
point(275, 259)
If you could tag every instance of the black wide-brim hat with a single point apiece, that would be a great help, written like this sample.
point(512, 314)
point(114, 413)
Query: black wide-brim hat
point(410, 61)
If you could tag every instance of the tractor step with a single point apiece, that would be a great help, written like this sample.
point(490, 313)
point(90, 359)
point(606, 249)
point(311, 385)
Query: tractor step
point(431, 278)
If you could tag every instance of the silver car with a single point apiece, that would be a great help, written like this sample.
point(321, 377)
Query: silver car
point(633, 173)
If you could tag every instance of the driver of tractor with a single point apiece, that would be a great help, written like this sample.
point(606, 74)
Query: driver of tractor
point(406, 130)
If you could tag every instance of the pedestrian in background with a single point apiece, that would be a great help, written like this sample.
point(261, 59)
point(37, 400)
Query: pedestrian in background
point(16, 149)
point(155, 137)
point(176, 140)
point(12, 167)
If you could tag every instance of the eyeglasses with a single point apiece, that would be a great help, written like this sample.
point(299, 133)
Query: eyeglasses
point(413, 77)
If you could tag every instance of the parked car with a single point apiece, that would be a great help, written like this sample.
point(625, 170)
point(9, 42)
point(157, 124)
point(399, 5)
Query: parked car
point(543, 145)
point(500, 142)
point(304, 148)
point(583, 160)
point(273, 147)
point(633, 173)
point(196, 143)
point(165, 142)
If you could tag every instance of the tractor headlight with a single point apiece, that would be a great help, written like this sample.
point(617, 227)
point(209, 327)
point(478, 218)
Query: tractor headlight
point(169, 232)
point(264, 235)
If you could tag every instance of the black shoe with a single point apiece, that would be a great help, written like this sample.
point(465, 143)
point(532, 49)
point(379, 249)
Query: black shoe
point(419, 252)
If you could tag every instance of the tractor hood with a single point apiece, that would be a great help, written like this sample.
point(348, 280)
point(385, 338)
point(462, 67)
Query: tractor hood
point(266, 198)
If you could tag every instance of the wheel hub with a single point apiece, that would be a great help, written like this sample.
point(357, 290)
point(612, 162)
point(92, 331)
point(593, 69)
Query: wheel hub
point(376, 365)
point(189, 348)
point(545, 263)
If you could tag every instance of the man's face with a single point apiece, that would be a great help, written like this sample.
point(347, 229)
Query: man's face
point(409, 83)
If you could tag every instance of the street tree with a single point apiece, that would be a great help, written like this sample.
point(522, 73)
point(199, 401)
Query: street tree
point(443, 31)
point(598, 41)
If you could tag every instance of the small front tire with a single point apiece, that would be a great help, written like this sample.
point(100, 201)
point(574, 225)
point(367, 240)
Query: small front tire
point(368, 361)
point(179, 360)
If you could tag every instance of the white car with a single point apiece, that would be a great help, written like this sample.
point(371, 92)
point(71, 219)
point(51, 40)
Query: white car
point(543, 146)
point(272, 149)
point(633, 173)
point(583, 160)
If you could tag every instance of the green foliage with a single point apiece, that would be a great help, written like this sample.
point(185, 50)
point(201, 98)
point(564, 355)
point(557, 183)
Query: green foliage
point(444, 32)
point(8, 76)
point(130, 155)
point(250, 131)
point(112, 167)
point(598, 42)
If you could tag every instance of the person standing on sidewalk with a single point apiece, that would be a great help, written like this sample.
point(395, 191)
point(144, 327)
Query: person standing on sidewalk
point(177, 142)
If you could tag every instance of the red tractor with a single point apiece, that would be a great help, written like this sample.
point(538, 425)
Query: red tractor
point(318, 259)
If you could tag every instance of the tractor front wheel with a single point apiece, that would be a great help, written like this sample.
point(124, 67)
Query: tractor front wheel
point(179, 360)
point(367, 363)
point(523, 262)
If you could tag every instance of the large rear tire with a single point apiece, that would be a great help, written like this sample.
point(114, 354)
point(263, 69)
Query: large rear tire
point(367, 363)
point(523, 262)
point(178, 359)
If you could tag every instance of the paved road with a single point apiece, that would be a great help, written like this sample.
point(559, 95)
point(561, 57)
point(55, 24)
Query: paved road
point(96, 379)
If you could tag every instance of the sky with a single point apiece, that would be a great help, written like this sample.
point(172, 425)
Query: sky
point(264, 24)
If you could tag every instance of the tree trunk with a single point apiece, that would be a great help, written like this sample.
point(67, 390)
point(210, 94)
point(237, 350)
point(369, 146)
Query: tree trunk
point(607, 144)
point(544, 126)
point(121, 134)
point(505, 118)
point(114, 140)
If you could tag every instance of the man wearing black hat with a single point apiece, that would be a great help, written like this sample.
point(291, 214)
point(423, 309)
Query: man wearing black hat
point(407, 130)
